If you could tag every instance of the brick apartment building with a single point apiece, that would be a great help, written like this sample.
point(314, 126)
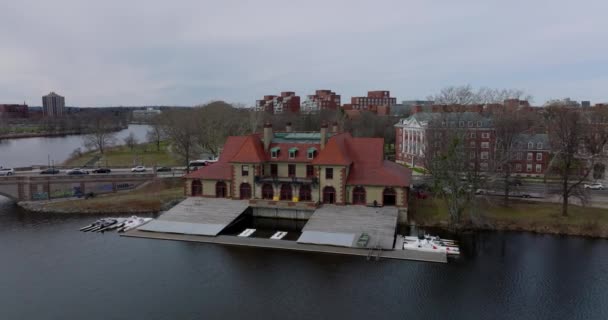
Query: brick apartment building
point(321, 100)
point(303, 168)
point(379, 102)
point(287, 101)
point(13, 111)
point(531, 154)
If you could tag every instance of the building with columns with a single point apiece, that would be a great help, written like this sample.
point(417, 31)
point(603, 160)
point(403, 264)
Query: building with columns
point(290, 169)
point(412, 132)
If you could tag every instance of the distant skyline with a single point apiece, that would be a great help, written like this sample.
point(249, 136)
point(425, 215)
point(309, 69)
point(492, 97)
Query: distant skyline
point(109, 53)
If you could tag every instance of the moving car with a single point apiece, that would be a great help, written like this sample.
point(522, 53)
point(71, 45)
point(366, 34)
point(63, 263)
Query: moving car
point(7, 171)
point(163, 169)
point(138, 169)
point(77, 171)
point(49, 171)
point(594, 186)
point(102, 170)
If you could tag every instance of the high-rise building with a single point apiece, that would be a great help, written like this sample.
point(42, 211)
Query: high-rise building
point(321, 100)
point(288, 101)
point(376, 101)
point(53, 105)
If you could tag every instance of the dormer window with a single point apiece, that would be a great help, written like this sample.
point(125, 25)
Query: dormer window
point(292, 152)
point(470, 123)
point(479, 123)
point(461, 124)
point(274, 152)
point(530, 145)
point(311, 152)
point(539, 145)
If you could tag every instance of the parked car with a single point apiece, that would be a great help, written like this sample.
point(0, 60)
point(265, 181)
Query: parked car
point(7, 171)
point(594, 186)
point(138, 169)
point(50, 171)
point(77, 171)
point(514, 182)
point(519, 194)
point(163, 169)
point(483, 191)
point(102, 170)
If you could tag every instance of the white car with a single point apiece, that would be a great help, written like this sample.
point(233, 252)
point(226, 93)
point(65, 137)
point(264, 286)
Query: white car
point(77, 171)
point(7, 171)
point(138, 169)
point(594, 186)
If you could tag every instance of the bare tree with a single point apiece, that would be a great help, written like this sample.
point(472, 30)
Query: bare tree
point(509, 127)
point(452, 161)
point(217, 121)
point(131, 141)
point(578, 138)
point(181, 128)
point(156, 133)
point(466, 95)
point(101, 134)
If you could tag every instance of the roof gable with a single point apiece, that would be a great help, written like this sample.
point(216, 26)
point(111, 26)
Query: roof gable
point(251, 151)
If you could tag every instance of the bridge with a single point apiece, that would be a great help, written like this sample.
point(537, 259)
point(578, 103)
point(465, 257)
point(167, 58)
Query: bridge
point(45, 187)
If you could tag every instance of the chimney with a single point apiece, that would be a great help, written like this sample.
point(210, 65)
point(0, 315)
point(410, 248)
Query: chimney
point(323, 135)
point(267, 135)
point(334, 127)
point(288, 127)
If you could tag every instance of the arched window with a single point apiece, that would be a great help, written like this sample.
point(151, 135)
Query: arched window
point(245, 191)
point(359, 195)
point(196, 188)
point(220, 189)
point(267, 191)
point(305, 193)
point(329, 195)
point(389, 197)
point(286, 193)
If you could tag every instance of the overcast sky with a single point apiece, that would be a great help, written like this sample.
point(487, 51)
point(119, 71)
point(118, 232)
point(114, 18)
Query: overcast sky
point(110, 52)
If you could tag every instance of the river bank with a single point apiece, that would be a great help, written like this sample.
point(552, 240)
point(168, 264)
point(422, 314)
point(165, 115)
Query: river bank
point(145, 154)
point(154, 197)
point(22, 135)
point(520, 215)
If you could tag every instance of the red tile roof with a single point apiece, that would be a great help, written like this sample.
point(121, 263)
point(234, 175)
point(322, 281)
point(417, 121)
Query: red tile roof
point(252, 151)
point(387, 173)
point(222, 169)
point(335, 152)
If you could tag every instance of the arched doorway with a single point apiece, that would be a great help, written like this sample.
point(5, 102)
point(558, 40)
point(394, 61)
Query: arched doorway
point(389, 197)
point(286, 193)
point(245, 191)
point(196, 188)
point(359, 195)
point(220, 189)
point(267, 191)
point(305, 193)
point(329, 195)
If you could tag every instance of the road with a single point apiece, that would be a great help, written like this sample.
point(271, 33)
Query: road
point(115, 171)
point(532, 187)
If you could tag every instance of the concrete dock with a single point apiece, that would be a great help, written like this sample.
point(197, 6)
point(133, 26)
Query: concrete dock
point(294, 246)
point(343, 225)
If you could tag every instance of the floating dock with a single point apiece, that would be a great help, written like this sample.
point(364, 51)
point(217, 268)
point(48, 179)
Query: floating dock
point(350, 230)
point(294, 246)
point(198, 216)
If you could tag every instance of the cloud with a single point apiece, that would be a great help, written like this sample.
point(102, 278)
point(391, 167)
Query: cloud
point(186, 52)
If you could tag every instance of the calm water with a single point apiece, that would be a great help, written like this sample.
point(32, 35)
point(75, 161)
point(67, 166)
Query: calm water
point(36, 151)
point(48, 270)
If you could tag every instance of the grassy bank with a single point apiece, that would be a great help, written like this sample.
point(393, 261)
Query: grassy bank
point(142, 154)
point(520, 215)
point(153, 197)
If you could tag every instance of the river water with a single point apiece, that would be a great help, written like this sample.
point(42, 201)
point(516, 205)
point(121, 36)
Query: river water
point(48, 270)
point(37, 151)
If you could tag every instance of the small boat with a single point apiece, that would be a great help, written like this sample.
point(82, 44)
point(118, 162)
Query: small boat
point(134, 222)
point(279, 235)
point(431, 244)
point(118, 221)
point(246, 233)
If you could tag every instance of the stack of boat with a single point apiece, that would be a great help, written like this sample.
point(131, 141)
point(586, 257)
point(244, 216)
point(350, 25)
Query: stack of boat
point(431, 244)
point(118, 224)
